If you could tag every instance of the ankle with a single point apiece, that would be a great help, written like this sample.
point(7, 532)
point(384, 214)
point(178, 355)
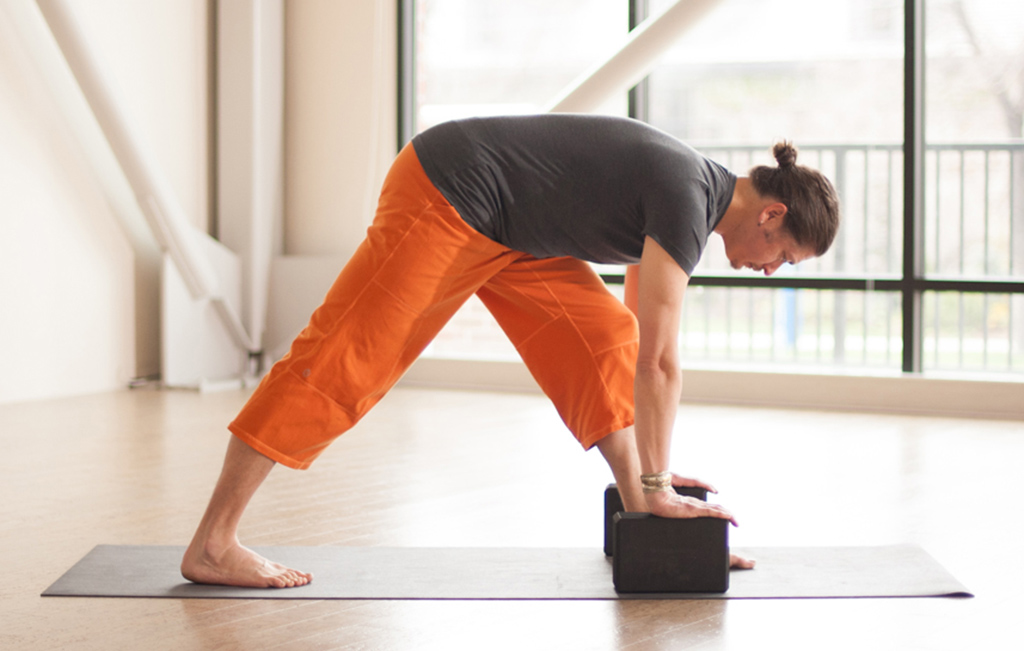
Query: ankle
point(213, 544)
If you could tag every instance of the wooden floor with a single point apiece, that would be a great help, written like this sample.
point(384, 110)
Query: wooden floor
point(442, 468)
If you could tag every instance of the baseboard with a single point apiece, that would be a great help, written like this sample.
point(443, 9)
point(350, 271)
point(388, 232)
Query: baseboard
point(991, 398)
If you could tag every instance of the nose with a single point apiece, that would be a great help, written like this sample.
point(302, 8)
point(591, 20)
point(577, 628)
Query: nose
point(769, 269)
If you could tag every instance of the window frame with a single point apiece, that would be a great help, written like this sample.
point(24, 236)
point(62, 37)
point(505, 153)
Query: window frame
point(912, 284)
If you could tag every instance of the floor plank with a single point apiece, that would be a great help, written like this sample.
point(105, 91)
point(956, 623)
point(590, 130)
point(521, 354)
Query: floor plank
point(446, 468)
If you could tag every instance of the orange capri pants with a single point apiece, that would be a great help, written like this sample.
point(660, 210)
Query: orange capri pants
point(419, 262)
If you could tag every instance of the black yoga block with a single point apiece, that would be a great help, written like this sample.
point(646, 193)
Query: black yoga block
point(613, 504)
point(655, 554)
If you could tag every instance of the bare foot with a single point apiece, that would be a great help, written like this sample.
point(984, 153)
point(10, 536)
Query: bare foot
point(737, 562)
point(238, 566)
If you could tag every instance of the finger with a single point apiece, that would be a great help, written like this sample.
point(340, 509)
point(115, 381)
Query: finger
point(715, 511)
point(688, 482)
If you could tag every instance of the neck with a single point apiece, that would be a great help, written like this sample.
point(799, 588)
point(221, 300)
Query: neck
point(745, 200)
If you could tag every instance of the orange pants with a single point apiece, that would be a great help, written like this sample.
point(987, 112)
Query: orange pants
point(419, 262)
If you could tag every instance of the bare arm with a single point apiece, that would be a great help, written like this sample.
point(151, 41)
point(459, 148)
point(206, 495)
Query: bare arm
point(659, 298)
point(654, 292)
point(660, 290)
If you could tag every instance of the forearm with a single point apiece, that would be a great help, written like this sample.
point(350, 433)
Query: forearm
point(656, 393)
point(619, 450)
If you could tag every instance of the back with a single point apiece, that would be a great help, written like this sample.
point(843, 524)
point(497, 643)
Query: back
point(591, 187)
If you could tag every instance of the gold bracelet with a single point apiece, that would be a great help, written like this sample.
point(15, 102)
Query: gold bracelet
point(657, 482)
point(657, 489)
point(657, 478)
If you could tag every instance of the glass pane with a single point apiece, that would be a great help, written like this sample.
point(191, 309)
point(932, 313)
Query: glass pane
point(826, 75)
point(972, 332)
point(791, 326)
point(495, 57)
point(472, 334)
point(975, 156)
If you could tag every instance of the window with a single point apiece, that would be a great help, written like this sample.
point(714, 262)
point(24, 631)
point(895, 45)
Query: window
point(823, 75)
point(928, 269)
point(495, 57)
point(974, 186)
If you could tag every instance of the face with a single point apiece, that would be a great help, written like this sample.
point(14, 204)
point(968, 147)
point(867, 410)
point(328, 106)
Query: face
point(763, 244)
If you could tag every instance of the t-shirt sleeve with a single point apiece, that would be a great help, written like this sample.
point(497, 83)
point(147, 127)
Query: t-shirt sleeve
point(677, 219)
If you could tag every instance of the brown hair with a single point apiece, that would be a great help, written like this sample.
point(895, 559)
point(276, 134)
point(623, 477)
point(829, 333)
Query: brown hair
point(812, 204)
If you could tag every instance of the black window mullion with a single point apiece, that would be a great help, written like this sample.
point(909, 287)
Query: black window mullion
point(638, 104)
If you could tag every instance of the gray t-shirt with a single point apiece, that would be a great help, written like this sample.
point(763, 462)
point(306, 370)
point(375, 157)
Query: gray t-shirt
point(590, 187)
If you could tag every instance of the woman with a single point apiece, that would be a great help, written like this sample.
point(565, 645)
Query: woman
point(511, 209)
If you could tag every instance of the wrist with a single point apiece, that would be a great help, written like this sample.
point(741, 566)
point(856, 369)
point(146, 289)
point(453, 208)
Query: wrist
point(657, 502)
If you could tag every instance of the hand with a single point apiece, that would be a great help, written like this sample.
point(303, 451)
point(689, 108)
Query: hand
point(693, 508)
point(667, 504)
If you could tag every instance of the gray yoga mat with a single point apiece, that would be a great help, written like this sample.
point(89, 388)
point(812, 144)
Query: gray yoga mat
point(520, 573)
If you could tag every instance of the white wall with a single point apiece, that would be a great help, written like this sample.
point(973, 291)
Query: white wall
point(157, 52)
point(340, 112)
point(340, 139)
point(66, 300)
point(67, 278)
point(68, 290)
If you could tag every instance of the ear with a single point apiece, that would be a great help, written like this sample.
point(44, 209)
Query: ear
point(772, 214)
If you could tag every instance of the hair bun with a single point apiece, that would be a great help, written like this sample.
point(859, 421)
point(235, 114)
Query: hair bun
point(785, 153)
